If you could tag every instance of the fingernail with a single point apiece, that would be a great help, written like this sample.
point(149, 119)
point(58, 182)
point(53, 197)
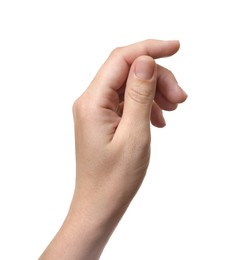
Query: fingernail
point(144, 69)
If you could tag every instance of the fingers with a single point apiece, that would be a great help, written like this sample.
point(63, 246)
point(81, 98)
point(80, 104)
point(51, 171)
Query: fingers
point(168, 89)
point(163, 102)
point(140, 92)
point(117, 81)
point(114, 72)
point(168, 96)
point(157, 118)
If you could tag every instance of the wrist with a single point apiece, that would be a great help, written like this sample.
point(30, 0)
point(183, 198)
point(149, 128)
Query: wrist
point(95, 213)
point(85, 231)
point(91, 228)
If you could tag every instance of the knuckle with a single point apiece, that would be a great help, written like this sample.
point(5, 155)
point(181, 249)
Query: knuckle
point(84, 108)
point(74, 106)
point(79, 108)
point(168, 74)
point(116, 51)
point(142, 96)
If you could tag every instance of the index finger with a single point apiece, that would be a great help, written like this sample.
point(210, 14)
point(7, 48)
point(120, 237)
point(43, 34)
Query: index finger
point(114, 71)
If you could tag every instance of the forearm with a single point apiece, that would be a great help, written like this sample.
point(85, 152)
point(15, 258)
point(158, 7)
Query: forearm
point(84, 233)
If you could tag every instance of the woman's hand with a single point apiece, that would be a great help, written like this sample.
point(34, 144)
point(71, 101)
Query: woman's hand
point(112, 122)
point(112, 132)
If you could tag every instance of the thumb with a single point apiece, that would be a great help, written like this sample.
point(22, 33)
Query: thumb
point(140, 91)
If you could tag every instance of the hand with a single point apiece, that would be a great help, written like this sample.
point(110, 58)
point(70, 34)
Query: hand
point(112, 122)
point(112, 133)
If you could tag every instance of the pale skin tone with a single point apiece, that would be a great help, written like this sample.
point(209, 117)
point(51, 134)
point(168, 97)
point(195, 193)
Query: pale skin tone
point(112, 135)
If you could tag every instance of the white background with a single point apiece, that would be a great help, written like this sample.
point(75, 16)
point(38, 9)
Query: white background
point(49, 53)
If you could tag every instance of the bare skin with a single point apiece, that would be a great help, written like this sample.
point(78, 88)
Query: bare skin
point(112, 135)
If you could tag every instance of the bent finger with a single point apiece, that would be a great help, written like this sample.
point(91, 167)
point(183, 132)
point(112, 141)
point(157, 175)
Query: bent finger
point(168, 86)
point(164, 103)
point(114, 71)
point(157, 118)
